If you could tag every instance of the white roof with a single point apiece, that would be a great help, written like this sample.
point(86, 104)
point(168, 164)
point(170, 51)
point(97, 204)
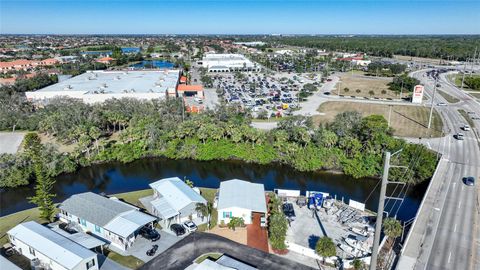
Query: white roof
point(128, 222)
point(164, 210)
point(51, 244)
point(177, 193)
point(81, 238)
point(242, 194)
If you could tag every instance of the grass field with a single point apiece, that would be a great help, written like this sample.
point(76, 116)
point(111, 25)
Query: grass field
point(457, 79)
point(467, 118)
point(449, 98)
point(128, 261)
point(132, 197)
point(406, 121)
point(10, 221)
point(365, 84)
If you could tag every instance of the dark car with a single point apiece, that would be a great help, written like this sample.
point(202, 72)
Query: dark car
point(152, 251)
point(150, 234)
point(469, 181)
point(288, 211)
point(177, 229)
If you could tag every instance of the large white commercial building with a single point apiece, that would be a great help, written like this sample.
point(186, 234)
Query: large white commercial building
point(215, 62)
point(98, 86)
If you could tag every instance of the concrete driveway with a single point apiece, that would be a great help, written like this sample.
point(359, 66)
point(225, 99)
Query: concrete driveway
point(141, 245)
point(10, 142)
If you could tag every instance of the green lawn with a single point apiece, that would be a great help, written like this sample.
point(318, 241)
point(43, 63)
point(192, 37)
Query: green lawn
point(203, 257)
point(132, 197)
point(128, 261)
point(449, 98)
point(209, 195)
point(467, 118)
point(10, 221)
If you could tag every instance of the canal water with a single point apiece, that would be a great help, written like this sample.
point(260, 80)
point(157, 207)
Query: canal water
point(117, 177)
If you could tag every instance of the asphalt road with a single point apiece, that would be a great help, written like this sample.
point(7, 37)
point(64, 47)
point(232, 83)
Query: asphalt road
point(184, 252)
point(446, 232)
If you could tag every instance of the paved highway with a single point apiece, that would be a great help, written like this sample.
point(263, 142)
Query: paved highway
point(446, 233)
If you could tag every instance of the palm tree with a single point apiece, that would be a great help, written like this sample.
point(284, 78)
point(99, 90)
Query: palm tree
point(392, 227)
point(325, 247)
point(205, 210)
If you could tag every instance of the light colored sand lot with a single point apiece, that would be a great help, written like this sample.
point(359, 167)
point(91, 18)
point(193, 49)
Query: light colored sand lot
point(407, 121)
point(239, 235)
point(10, 142)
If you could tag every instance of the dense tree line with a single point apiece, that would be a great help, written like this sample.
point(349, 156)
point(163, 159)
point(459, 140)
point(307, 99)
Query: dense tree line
point(446, 47)
point(351, 144)
point(403, 83)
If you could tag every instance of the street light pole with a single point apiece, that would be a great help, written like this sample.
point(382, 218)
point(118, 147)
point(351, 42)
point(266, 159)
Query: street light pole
point(431, 106)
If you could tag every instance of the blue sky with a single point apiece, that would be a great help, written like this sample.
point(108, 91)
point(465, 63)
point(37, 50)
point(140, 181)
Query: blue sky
point(239, 17)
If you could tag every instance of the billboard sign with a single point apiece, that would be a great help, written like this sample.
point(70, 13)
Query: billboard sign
point(417, 96)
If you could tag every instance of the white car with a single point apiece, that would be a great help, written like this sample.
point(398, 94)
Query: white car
point(190, 226)
point(441, 104)
point(466, 127)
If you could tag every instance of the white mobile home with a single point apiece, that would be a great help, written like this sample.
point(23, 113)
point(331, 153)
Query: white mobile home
point(114, 221)
point(174, 201)
point(238, 198)
point(49, 249)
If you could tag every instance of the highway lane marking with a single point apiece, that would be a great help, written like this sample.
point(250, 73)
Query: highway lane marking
point(459, 203)
point(455, 228)
point(436, 208)
point(449, 256)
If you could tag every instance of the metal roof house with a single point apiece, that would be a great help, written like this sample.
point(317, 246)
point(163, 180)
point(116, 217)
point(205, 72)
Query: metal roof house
point(114, 221)
point(49, 249)
point(174, 201)
point(225, 262)
point(238, 198)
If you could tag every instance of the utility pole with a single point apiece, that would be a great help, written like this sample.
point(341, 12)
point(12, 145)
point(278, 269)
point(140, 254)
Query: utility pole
point(381, 204)
point(431, 106)
point(389, 114)
point(464, 69)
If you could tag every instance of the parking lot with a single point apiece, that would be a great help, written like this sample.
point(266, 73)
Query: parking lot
point(267, 96)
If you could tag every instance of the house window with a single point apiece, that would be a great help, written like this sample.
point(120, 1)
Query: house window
point(83, 222)
point(227, 214)
point(32, 251)
point(97, 228)
point(91, 264)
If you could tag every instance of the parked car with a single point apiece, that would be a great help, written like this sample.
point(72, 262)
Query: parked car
point(469, 180)
point(441, 104)
point(301, 201)
point(152, 251)
point(177, 229)
point(190, 226)
point(149, 234)
point(289, 211)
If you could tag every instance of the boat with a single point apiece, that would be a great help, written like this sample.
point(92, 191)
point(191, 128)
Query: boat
point(359, 231)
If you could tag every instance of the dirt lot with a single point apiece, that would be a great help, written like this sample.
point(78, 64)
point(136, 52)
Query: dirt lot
point(239, 235)
point(365, 84)
point(407, 121)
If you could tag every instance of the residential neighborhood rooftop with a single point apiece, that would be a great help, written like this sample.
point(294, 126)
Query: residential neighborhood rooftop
point(59, 248)
point(242, 194)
